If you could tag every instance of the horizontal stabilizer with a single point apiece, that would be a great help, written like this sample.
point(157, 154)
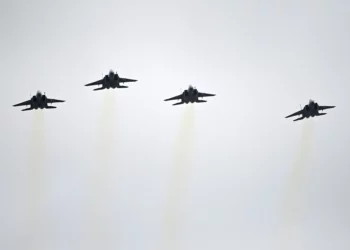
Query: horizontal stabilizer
point(321, 114)
point(99, 88)
point(26, 109)
point(201, 101)
point(122, 87)
point(298, 119)
point(177, 103)
point(50, 107)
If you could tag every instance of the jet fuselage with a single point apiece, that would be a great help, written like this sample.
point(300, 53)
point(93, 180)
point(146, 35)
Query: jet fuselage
point(111, 80)
point(190, 95)
point(38, 101)
point(311, 109)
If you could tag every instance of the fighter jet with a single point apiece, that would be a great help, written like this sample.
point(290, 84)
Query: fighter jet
point(189, 95)
point(38, 101)
point(112, 80)
point(312, 109)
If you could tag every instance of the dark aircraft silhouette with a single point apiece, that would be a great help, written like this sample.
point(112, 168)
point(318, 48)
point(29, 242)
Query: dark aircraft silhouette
point(190, 95)
point(38, 101)
point(312, 109)
point(112, 80)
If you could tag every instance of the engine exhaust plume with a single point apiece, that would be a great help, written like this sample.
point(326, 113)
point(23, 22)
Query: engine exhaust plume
point(294, 203)
point(99, 228)
point(175, 208)
point(35, 195)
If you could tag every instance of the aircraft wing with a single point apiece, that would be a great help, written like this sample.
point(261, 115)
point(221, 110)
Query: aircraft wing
point(296, 113)
point(204, 94)
point(325, 107)
point(23, 103)
point(54, 100)
point(126, 80)
point(174, 98)
point(99, 82)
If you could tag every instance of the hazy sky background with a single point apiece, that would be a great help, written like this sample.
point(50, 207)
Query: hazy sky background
point(104, 170)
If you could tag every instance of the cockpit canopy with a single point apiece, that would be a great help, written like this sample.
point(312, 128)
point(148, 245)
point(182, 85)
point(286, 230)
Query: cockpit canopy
point(192, 90)
point(314, 104)
point(36, 97)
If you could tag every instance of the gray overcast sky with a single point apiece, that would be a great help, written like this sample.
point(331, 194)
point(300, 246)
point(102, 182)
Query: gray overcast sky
point(103, 170)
